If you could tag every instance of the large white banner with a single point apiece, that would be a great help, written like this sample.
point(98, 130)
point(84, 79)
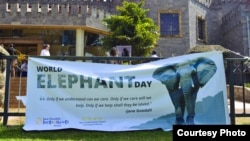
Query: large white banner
point(189, 89)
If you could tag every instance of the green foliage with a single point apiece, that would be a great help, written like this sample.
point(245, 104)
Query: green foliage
point(247, 85)
point(131, 27)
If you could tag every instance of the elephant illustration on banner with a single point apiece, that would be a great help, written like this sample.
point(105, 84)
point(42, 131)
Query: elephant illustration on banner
point(183, 82)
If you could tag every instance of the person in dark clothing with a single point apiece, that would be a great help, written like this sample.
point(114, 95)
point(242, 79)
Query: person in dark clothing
point(125, 53)
point(12, 51)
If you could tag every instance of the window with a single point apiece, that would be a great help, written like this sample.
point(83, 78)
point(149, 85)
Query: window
point(29, 7)
point(49, 8)
point(18, 7)
point(39, 8)
point(17, 33)
point(170, 23)
point(8, 7)
point(201, 29)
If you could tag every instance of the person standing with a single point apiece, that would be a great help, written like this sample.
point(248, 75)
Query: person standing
point(24, 68)
point(114, 53)
point(45, 51)
point(125, 53)
point(12, 51)
point(154, 54)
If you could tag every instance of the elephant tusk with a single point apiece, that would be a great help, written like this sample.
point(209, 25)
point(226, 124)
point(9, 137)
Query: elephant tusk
point(192, 83)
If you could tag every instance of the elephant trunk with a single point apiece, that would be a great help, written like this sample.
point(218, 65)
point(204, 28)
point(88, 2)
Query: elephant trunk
point(186, 82)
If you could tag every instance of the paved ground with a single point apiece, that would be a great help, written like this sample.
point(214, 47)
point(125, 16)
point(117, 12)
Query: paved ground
point(239, 107)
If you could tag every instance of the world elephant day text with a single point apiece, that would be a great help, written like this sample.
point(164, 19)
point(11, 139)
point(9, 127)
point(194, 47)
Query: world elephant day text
point(81, 81)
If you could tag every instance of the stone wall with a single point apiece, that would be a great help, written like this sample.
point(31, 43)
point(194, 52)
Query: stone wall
point(238, 93)
point(54, 13)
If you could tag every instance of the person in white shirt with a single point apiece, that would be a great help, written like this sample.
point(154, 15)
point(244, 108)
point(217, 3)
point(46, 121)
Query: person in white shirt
point(24, 68)
point(154, 54)
point(45, 51)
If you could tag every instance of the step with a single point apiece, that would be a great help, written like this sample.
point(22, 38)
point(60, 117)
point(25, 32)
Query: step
point(17, 88)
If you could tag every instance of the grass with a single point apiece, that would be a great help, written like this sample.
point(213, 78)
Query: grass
point(15, 133)
point(243, 120)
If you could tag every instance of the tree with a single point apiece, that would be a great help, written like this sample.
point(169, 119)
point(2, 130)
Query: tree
point(131, 26)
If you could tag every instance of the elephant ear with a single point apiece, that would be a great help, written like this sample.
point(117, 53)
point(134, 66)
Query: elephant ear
point(205, 68)
point(168, 76)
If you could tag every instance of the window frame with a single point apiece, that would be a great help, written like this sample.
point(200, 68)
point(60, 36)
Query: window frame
point(178, 12)
point(204, 29)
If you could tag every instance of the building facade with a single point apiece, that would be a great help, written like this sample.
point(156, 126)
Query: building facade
point(71, 25)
